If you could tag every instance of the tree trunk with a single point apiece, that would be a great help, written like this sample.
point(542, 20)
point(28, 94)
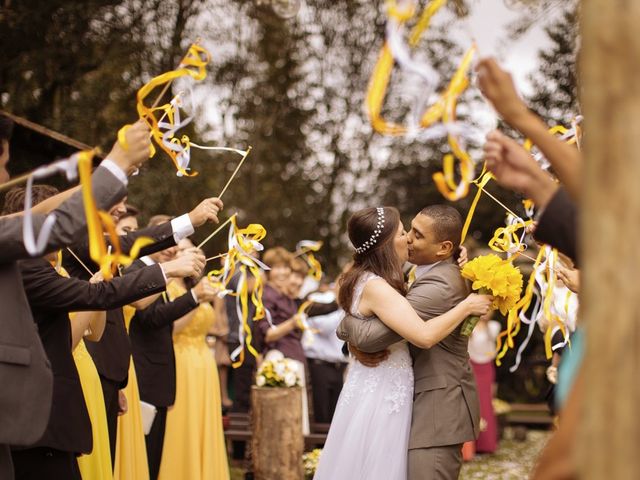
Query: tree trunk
point(277, 443)
point(608, 438)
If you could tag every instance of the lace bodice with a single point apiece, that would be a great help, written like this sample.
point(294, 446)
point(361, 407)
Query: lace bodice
point(357, 294)
point(393, 377)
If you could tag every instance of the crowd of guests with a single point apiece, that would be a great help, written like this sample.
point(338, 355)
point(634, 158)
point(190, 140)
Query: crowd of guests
point(119, 379)
point(139, 365)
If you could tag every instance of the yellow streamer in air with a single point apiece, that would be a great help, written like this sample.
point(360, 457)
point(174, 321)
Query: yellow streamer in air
point(193, 65)
point(305, 249)
point(506, 240)
point(513, 318)
point(442, 109)
point(242, 245)
point(98, 222)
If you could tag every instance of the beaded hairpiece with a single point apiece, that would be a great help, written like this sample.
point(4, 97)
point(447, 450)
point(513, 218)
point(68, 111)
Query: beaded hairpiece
point(376, 233)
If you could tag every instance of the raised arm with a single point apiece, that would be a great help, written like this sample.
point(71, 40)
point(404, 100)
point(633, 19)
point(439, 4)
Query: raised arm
point(497, 86)
point(45, 288)
point(109, 186)
point(380, 299)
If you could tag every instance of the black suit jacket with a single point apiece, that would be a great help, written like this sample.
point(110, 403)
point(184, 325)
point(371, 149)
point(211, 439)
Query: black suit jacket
point(557, 225)
point(26, 379)
point(152, 344)
point(51, 297)
point(112, 353)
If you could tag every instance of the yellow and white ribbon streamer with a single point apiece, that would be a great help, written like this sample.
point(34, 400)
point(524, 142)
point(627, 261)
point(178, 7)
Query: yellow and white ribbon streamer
point(242, 244)
point(306, 248)
point(68, 166)
point(98, 222)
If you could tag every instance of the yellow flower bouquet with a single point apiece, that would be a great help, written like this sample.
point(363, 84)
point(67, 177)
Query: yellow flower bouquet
point(491, 275)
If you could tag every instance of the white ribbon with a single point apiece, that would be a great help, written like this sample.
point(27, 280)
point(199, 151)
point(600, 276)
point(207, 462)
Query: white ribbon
point(36, 246)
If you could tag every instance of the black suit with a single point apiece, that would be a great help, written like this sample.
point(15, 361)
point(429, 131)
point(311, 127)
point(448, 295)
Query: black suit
point(557, 225)
point(152, 345)
point(113, 352)
point(24, 411)
point(51, 297)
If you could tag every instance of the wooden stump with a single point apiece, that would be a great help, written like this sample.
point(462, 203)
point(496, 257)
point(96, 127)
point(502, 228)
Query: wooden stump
point(277, 441)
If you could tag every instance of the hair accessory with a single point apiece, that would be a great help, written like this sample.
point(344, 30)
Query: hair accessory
point(376, 233)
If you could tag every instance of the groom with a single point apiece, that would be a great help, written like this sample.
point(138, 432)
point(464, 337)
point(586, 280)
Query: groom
point(445, 403)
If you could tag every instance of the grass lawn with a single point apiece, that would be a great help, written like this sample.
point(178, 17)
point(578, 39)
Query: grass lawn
point(514, 460)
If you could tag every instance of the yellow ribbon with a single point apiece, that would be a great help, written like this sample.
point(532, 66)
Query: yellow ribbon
point(306, 248)
point(192, 65)
point(382, 74)
point(481, 183)
point(241, 242)
point(548, 299)
point(505, 239)
point(302, 324)
point(99, 221)
point(513, 318)
point(445, 180)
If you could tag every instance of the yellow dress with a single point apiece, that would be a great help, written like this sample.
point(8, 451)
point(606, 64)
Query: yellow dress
point(194, 446)
point(96, 465)
point(131, 451)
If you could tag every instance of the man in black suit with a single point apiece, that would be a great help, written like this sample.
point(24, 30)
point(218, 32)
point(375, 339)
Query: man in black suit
point(24, 411)
point(51, 297)
point(112, 353)
point(152, 345)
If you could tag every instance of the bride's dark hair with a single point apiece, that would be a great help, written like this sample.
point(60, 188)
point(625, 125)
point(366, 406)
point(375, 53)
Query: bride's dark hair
point(380, 259)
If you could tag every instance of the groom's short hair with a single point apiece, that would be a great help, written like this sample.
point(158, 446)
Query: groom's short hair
point(447, 223)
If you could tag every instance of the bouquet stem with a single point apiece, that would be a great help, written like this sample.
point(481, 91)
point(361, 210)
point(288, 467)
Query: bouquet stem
point(470, 323)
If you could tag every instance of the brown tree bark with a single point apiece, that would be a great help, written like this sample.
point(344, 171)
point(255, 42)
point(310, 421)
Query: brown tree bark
point(609, 434)
point(277, 443)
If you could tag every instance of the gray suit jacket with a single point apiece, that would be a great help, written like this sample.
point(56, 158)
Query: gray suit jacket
point(25, 372)
point(446, 410)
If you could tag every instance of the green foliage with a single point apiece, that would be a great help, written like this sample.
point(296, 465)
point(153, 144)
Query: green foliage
point(555, 82)
point(292, 89)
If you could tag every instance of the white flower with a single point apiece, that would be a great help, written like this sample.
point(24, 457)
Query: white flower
point(290, 379)
point(280, 369)
point(260, 381)
point(274, 355)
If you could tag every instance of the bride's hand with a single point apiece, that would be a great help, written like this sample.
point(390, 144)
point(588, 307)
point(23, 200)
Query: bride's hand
point(478, 304)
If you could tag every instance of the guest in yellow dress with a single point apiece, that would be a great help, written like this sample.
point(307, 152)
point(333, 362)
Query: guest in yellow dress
point(96, 465)
point(194, 445)
point(90, 325)
point(131, 451)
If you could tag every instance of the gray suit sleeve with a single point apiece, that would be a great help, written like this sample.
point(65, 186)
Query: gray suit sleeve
point(369, 335)
point(428, 299)
point(70, 223)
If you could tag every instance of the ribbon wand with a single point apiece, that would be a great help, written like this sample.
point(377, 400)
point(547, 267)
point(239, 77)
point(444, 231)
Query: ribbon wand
point(235, 172)
point(217, 230)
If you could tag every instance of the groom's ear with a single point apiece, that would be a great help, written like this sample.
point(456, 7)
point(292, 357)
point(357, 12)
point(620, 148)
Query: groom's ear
point(446, 249)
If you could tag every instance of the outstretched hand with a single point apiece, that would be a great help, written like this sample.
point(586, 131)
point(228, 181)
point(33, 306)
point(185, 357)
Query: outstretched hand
point(131, 156)
point(497, 86)
point(206, 211)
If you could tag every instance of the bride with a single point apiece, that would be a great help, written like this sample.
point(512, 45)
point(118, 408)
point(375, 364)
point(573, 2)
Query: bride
point(369, 434)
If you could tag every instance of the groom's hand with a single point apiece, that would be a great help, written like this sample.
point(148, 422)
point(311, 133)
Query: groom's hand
point(369, 359)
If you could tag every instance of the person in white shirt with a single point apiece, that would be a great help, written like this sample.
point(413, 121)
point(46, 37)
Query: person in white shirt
point(326, 361)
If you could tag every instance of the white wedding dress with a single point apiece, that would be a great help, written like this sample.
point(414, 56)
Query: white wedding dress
point(369, 434)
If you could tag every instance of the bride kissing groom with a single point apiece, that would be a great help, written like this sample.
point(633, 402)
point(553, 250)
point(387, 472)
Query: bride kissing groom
point(405, 413)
